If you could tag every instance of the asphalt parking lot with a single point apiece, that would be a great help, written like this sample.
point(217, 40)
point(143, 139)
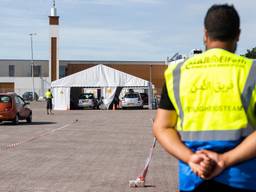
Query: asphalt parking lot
point(82, 151)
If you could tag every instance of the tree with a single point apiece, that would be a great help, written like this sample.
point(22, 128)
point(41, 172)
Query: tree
point(251, 53)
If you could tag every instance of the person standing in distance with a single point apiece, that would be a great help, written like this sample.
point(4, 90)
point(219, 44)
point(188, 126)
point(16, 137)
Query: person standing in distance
point(207, 113)
point(48, 96)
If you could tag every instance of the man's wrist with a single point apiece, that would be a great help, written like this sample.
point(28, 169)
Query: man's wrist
point(224, 158)
point(188, 158)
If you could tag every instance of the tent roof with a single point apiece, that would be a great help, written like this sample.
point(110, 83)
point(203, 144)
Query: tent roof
point(100, 76)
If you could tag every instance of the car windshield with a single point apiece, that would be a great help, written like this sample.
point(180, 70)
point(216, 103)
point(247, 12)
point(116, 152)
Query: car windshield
point(87, 96)
point(131, 95)
point(5, 99)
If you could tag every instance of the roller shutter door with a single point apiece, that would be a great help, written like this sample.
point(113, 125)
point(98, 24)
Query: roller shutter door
point(6, 87)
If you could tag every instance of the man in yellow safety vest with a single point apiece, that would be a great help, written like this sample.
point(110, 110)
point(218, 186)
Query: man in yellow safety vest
point(207, 112)
point(48, 96)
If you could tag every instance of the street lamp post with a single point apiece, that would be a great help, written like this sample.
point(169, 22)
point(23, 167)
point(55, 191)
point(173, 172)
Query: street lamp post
point(32, 64)
point(150, 95)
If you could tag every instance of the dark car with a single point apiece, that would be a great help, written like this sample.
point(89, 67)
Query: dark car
point(28, 96)
point(14, 108)
point(144, 97)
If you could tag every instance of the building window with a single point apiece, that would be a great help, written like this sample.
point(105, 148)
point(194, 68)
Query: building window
point(37, 70)
point(11, 70)
point(62, 72)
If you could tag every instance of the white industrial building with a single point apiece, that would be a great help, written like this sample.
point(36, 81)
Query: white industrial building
point(16, 76)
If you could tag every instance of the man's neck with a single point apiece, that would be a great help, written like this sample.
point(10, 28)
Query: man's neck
point(229, 46)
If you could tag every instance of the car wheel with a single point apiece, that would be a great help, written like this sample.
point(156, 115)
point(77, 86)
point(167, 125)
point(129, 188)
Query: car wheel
point(16, 120)
point(29, 118)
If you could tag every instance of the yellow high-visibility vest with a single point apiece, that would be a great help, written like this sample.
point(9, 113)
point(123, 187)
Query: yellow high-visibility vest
point(48, 94)
point(214, 95)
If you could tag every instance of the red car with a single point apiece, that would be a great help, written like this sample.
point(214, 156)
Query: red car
point(14, 108)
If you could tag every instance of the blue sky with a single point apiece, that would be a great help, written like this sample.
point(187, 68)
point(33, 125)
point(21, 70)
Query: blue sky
point(113, 29)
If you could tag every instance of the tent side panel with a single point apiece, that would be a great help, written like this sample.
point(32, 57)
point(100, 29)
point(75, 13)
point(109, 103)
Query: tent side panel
point(61, 98)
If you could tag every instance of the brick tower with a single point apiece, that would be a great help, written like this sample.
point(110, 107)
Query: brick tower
point(54, 37)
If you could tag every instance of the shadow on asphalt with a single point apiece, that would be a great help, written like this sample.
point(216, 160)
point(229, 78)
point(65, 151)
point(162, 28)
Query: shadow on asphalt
point(25, 123)
point(149, 186)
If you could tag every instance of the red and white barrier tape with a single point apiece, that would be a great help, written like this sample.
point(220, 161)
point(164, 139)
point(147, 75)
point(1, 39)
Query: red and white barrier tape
point(13, 145)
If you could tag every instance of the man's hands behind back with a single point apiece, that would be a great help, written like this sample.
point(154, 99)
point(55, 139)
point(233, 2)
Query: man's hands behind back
point(201, 164)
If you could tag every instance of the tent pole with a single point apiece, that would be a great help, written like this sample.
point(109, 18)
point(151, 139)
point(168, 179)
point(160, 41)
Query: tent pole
point(149, 95)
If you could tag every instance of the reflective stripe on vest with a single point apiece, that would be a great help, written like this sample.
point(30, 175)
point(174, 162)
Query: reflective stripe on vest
point(176, 88)
point(249, 86)
point(232, 135)
point(230, 127)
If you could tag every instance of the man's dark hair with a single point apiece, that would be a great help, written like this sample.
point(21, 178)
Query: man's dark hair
point(222, 22)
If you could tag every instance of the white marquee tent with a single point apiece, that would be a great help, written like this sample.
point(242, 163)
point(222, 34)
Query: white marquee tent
point(99, 76)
